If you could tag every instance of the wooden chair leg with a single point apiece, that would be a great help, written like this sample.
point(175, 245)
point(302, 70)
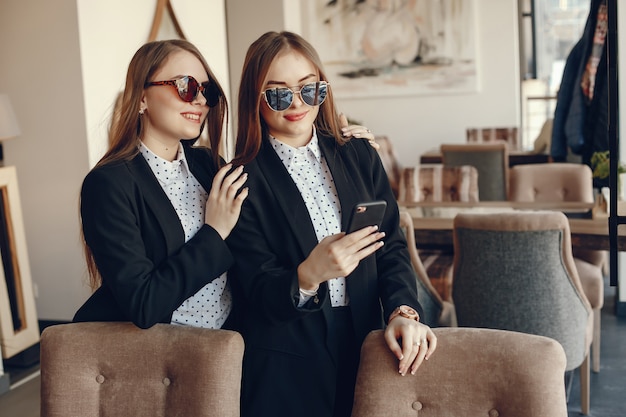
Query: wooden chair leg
point(584, 386)
point(595, 344)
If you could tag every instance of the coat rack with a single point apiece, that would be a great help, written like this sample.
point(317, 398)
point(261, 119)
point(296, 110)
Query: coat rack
point(613, 132)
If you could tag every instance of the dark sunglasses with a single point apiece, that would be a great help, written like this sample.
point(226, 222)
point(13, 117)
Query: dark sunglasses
point(280, 98)
point(188, 89)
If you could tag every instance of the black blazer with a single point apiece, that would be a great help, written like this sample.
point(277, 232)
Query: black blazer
point(273, 236)
point(139, 245)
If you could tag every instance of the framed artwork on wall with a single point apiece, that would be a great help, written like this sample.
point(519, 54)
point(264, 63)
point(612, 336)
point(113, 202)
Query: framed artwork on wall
point(19, 327)
point(373, 48)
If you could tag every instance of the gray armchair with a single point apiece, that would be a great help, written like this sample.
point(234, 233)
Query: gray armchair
point(491, 159)
point(515, 271)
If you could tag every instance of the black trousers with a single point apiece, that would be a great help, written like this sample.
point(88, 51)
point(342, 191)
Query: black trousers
point(344, 343)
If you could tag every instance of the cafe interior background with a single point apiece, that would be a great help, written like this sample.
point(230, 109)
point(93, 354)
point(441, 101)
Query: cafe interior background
point(63, 62)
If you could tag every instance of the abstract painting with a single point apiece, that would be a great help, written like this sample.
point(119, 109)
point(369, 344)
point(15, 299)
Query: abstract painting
point(394, 47)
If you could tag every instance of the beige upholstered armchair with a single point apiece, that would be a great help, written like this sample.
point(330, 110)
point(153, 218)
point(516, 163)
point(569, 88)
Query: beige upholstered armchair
point(117, 369)
point(473, 372)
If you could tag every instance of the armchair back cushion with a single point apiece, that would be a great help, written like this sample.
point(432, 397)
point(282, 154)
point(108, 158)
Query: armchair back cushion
point(473, 372)
point(116, 369)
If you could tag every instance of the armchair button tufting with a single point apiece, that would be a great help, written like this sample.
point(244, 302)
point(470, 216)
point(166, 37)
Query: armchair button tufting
point(100, 379)
point(166, 382)
point(494, 413)
point(416, 406)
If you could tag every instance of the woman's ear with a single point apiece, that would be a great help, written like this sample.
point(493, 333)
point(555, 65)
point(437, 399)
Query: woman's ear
point(143, 104)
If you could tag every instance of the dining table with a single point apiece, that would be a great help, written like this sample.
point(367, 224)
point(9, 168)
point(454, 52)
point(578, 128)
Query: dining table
point(589, 224)
point(516, 157)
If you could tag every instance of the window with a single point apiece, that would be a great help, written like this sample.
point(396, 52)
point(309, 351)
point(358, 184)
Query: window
point(548, 31)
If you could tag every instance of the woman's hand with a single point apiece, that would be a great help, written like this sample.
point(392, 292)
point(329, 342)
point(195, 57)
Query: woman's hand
point(337, 256)
point(357, 131)
point(224, 203)
point(418, 342)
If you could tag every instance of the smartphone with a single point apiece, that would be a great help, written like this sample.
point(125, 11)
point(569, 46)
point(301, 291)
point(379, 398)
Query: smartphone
point(366, 214)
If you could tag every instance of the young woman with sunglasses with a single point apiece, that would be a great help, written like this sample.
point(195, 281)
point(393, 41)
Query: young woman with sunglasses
point(310, 293)
point(156, 208)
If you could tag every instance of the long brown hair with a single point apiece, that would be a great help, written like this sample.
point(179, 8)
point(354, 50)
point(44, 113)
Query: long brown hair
point(128, 127)
point(251, 128)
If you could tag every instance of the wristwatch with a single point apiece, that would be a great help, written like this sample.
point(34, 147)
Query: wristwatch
point(406, 312)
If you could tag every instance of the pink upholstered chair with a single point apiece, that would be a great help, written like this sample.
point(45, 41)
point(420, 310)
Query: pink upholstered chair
point(436, 182)
point(473, 372)
point(556, 182)
point(508, 135)
point(117, 369)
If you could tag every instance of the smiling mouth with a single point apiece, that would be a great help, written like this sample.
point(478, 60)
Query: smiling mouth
point(193, 117)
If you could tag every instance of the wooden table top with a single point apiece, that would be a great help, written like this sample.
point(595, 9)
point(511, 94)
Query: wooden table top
point(433, 222)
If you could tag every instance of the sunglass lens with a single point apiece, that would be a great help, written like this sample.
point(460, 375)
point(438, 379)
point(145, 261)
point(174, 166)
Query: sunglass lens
point(187, 88)
point(279, 98)
point(314, 94)
point(211, 93)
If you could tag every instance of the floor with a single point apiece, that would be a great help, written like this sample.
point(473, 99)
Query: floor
point(608, 387)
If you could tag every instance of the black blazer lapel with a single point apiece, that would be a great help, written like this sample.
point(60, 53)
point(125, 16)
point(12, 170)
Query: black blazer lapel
point(156, 197)
point(288, 197)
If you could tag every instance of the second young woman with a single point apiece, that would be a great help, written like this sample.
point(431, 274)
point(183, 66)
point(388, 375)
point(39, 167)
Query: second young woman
point(309, 292)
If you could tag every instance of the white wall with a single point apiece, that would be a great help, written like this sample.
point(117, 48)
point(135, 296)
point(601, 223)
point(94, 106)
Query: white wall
point(245, 21)
point(40, 71)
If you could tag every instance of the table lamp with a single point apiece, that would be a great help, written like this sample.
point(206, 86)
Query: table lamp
point(8, 123)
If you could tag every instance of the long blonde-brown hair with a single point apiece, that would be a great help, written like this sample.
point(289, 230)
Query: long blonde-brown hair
point(127, 128)
point(260, 55)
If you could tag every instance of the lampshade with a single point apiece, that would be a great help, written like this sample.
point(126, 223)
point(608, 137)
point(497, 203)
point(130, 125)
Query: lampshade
point(8, 123)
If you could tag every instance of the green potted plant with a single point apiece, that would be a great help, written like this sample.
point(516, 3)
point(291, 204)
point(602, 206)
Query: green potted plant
point(600, 165)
